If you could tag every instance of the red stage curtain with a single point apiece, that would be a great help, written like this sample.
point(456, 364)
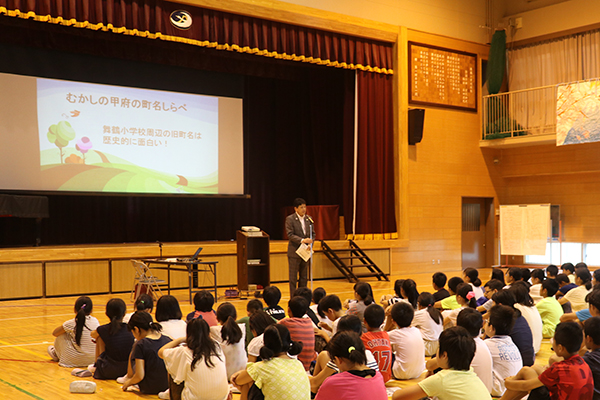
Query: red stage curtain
point(375, 207)
point(212, 29)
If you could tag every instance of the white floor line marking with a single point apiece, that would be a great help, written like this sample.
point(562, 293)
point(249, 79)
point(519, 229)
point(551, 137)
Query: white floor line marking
point(25, 344)
point(45, 316)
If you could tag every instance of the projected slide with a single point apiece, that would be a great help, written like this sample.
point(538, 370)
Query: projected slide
point(103, 138)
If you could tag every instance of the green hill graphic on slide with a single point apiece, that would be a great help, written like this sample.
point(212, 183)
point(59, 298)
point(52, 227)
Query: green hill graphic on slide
point(104, 172)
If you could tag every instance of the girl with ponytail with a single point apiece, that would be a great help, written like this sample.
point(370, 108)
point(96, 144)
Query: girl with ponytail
point(429, 321)
point(471, 276)
point(144, 302)
point(197, 362)
point(465, 298)
point(279, 376)
point(230, 335)
point(73, 346)
point(355, 379)
point(146, 369)
point(410, 292)
point(113, 345)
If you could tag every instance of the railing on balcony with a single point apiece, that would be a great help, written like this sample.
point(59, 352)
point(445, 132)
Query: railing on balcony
point(520, 113)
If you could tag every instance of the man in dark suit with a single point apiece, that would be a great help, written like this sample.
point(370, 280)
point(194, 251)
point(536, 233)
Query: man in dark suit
point(298, 227)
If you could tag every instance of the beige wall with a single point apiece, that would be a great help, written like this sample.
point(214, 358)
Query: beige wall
point(446, 166)
point(567, 175)
point(457, 18)
point(556, 18)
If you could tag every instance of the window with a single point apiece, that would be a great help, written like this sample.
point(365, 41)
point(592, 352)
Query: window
point(592, 254)
point(568, 252)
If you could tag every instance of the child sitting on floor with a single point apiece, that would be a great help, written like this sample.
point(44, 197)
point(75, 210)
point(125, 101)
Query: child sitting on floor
point(146, 369)
point(438, 282)
point(490, 288)
point(472, 321)
point(378, 341)
point(567, 379)
point(506, 358)
point(549, 308)
point(144, 302)
point(537, 277)
point(331, 307)
point(73, 346)
point(429, 320)
point(450, 303)
point(325, 366)
point(406, 342)
point(456, 381)
point(113, 344)
point(203, 303)
point(388, 299)
point(253, 306)
point(465, 298)
point(592, 358)
point(230, 336)
point(197, 363)
point(168, 314)
point(259, 321)
point(301, 329)
point(272, 295)
point(356, 379)
point(279, 375)
point(363, 295)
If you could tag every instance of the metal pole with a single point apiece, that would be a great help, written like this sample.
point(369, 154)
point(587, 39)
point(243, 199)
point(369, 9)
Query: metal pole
point(310, 264)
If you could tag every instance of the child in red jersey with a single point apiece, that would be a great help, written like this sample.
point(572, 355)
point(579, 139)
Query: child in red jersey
point(564, 380)
point(378, 341)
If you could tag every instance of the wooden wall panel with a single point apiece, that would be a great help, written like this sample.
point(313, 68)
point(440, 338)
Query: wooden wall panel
point(446, 166)
point(21, 280)
point(82, 277)
point(567, 175)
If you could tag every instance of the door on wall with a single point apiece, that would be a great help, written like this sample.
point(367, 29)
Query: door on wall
point(477, 237)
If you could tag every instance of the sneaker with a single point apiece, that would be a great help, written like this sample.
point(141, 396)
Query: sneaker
point(164, 395)
point(81, 373)
point(92, 368)
point(122, 379)
point(52, 353)
point(82, 387)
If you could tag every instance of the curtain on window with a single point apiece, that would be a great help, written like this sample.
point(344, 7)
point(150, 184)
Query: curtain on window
point(567, 59)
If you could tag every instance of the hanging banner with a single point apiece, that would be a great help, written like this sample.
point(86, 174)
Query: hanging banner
point(578, 113)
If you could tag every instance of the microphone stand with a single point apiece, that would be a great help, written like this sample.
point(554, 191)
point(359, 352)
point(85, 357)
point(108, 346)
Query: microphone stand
point(310, 260)
point(160, 247)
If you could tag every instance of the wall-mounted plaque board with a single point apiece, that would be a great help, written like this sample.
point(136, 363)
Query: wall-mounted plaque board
point(442, 77)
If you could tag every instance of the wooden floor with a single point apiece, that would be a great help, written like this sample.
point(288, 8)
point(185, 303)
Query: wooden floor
point(26, 371)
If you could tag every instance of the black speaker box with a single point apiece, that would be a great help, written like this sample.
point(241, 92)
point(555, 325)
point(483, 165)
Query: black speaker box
point(416, 117)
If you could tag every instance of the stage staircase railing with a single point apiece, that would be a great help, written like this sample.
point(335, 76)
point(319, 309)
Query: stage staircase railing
point(344, 260)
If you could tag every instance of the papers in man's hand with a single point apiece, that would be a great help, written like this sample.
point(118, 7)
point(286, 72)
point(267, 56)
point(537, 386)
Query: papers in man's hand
point(304, 251)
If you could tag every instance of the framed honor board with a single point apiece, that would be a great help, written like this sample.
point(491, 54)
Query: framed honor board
point(442, 77)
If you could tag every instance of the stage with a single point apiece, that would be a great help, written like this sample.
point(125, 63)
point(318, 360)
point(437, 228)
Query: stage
point(50, 271)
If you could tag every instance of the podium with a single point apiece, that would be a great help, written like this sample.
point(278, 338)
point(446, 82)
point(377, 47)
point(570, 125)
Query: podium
point(253, 259)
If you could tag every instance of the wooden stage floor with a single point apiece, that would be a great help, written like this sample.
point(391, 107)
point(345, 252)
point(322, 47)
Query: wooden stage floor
point(26, 371)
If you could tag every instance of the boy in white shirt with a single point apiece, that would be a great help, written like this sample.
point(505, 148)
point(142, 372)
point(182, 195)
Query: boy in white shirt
point(472, 321)
point(406, 341)
point(506, 358)
point(481, 364)
point(331, 307)
point(456, 381)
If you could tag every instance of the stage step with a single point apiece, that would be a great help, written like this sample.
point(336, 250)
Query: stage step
point(354, 253)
